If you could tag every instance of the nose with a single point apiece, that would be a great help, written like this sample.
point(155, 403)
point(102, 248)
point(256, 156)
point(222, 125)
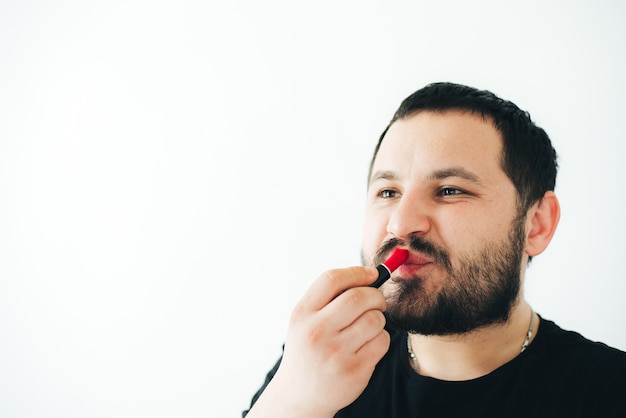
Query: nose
point(409, 217)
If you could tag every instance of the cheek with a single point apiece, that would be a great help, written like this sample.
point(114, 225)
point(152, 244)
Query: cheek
point(374, 234)
point(461, 236)
point(458, 233)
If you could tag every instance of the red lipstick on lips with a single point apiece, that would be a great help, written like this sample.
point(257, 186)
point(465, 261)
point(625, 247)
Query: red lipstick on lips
point(385, 269)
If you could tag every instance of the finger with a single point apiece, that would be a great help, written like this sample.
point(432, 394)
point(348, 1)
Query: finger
point(334, 282)
point(364, 329)
point(364, 361)
point(373, 350)
point(346, 308)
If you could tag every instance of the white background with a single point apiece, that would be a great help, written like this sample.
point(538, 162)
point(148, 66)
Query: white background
point(174, 174)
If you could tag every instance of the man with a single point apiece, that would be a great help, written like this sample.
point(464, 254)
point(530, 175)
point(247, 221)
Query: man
point(465, 181)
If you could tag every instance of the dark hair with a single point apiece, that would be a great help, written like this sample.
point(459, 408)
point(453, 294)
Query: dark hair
point(528, 157)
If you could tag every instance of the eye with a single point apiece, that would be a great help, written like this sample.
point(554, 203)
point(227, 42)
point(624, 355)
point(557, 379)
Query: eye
point(387, 193)
point(450, 191)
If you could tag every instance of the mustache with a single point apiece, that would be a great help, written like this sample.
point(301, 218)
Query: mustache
point(417, 244)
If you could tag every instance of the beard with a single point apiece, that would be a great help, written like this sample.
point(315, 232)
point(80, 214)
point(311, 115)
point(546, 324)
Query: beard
point(480, 291)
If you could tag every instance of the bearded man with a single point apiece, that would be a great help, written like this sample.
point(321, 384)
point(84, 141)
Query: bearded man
point(464, 181)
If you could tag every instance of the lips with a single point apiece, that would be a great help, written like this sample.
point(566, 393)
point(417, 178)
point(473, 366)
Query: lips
point(418, 259)
point(414, 265)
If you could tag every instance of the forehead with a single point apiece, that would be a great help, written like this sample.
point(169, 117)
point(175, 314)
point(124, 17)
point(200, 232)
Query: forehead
point(429, 141)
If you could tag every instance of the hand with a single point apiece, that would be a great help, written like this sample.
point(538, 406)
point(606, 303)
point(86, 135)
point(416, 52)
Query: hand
point(335, 339)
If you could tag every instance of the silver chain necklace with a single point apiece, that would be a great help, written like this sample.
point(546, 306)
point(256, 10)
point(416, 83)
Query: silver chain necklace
point(525, 344)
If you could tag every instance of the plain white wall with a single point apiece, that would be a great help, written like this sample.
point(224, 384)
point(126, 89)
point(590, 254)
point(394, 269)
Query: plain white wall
point(174, 174)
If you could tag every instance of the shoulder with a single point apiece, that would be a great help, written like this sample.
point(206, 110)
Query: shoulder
point(571, 363)
point(553, 340)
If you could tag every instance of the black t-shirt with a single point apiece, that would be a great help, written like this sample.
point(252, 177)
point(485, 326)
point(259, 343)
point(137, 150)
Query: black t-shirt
point(561, 374)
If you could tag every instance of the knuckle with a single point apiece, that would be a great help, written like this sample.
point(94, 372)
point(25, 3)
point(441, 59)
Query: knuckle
point(378, 347)
point(354, 297)
point(375, 319)
point(345, 277)
point(297, 314)
point(314, 335)
point(386, 339)
point(333, 278)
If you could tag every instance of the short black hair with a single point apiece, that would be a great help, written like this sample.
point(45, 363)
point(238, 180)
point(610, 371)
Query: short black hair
point(528, 157)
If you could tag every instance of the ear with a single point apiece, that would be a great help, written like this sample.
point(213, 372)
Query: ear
point(543, 217)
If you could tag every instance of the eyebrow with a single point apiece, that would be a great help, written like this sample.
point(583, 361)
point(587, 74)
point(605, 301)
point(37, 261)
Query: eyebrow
point(383, 175)
point(459, 172)
point(441, 174)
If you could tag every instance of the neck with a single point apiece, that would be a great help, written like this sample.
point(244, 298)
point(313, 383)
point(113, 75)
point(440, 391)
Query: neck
point(475, 354)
